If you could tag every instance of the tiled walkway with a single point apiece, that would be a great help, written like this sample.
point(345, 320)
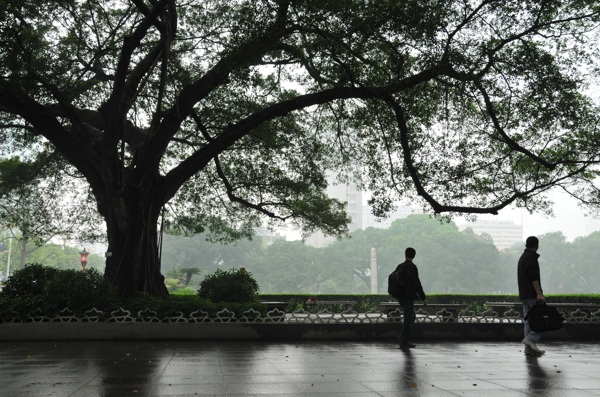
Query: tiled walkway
point(201, 368)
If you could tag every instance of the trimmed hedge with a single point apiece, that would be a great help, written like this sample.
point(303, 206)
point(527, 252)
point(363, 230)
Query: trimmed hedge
point(476, 303)
point(52, 290)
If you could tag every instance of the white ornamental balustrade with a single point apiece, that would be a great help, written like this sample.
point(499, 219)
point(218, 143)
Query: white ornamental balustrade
point(572, 314)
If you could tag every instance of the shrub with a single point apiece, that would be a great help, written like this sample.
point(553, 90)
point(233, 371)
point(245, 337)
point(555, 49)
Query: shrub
point(229, 286)
point(52, 290)
point(31, 280)
point(79, 291)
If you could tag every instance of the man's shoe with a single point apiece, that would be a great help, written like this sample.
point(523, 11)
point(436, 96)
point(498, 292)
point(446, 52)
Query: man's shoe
point(407, 345)
point(531, 344)
point(530, 353)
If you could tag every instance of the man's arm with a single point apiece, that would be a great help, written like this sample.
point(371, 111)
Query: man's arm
point(419, 287)
point(538, 290)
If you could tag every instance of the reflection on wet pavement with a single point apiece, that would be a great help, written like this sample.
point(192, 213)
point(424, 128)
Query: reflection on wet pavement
point(332, 368)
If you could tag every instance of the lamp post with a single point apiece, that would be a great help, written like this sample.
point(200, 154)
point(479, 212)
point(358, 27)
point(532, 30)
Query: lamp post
point(373, 270)
point(83, 258)
point(3, 249)
point(8, 261)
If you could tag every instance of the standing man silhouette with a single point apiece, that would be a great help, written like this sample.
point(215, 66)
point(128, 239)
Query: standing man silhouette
point(530, 291)
point(413, 290)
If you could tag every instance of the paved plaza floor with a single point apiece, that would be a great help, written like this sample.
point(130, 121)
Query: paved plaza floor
point(323, 368)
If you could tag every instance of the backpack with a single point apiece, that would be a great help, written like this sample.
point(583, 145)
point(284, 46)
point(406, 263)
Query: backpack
point(396, 284)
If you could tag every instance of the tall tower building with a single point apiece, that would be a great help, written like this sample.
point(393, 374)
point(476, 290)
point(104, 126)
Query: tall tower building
point(346, 193)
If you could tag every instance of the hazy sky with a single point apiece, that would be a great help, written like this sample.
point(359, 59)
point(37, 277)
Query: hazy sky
point(568, 218)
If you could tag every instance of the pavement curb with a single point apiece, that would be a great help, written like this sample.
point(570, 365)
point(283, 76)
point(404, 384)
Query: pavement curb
point(282, 331)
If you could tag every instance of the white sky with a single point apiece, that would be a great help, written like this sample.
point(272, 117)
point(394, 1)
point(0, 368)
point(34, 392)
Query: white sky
point(568, 218)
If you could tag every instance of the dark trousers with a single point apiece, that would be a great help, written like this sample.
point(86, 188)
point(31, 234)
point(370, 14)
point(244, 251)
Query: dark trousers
point(409, 319)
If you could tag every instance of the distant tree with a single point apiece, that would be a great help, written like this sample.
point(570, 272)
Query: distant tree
point(38, 202)
point(349, 259)
point(463, 262)
point(180, 277)
point(289, 266)
point(554, 251)
point(180, 251)
point(449, 261)
point(565, 267)
point(199, 252)
point(56, 256)
point(576, 269)
point(188, 273)
point(63, 257)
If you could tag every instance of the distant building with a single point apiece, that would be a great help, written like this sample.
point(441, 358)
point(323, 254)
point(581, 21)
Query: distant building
point(269, 236)
point(504, 233)
point(353, 198)
point(370, 220)
point(591, 226)
point(349, 194)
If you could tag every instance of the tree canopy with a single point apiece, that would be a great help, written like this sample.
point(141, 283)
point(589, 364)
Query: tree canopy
point(213, 115)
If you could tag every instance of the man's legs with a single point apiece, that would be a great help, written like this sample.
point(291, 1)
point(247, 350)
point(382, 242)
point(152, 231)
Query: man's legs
point(531, 338)
point(409, 318)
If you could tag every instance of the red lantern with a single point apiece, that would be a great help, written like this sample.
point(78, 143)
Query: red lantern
point(83, 258)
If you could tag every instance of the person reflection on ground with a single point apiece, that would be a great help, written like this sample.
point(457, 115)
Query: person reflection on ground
point(537, 377)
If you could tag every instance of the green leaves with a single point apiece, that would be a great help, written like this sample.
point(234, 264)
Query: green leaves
point(229, 286)
point(13, 173)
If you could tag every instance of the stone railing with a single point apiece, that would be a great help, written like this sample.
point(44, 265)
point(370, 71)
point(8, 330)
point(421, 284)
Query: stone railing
point(425, 314)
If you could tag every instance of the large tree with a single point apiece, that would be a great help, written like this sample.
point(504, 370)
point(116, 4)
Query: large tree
point(216, 112)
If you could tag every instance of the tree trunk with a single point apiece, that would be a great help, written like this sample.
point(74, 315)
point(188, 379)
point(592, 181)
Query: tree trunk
point(132, 263)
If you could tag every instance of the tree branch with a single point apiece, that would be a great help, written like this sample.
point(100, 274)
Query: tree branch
point(439, 208)
point(236, 199)
point(511, 143)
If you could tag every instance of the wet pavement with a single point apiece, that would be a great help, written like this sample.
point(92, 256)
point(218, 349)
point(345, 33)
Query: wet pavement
point(331, 368)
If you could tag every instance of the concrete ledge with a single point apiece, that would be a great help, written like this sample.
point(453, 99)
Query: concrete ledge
point(278, 331)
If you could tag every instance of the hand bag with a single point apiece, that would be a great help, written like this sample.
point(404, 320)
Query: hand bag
point(542, 318)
